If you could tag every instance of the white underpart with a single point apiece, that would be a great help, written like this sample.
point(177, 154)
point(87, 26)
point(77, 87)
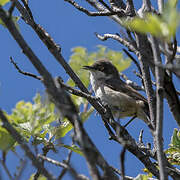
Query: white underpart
point(121, 104)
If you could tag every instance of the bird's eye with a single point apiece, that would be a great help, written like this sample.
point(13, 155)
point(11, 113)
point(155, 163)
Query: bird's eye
point(101, 68)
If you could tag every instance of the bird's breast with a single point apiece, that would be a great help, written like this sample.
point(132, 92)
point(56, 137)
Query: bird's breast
point(121, 104)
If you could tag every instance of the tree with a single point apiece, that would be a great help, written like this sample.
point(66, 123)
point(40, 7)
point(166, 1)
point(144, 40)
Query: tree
point(150, 37)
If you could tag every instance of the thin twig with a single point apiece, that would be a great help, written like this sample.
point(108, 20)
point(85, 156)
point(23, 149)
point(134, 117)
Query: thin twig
point(6, 169)
point(21, 169)
point(11, 9)
point(141, 136)
point(105, 5)
point(119, 173)
point(67, 161)
point(116, 37)
point(27, 8)
point(134, 60)
point(130, 8)
point(63, 165)
point(122, 160)
point(100, 13)
point(174, 51)
point(23, 72)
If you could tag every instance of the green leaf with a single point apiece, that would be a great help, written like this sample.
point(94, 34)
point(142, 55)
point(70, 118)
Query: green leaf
point(173, 152)
point(6, 140)
point(85, 115)
point(163, 26)
point(34, 119)
point(73, 148)
point(175, 140)
point(41, 177)
point(3, 2)
point(66, 126)
point(63, 129)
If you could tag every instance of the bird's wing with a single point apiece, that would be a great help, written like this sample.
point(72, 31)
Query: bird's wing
point(121, 86)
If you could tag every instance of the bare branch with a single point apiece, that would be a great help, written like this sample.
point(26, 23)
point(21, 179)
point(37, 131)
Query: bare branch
point(105, 5)
point(131, 83)
point(6, 170)
point(63, 165)
point(116, 37)
point(134, 60)
point(100, 13)
point(67, 161)
point(119, 4)
point(11, 9)
point(122, 160)
point(130, 8)
point(174, 51)
point(21, 169)
point(24, 73)
point(159, 113)
point(141, 136)
point(145, 58)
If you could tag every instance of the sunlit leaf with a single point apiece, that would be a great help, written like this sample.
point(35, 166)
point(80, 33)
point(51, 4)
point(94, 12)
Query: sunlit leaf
point(173, 152)
point(85, 115)
point(34, 119)
point(40, 177)
point(6, 140)
point(73, 148)
point(175, 140)
point(63, 129)
point(163, 26)
point(3, 2)
point(66, 126)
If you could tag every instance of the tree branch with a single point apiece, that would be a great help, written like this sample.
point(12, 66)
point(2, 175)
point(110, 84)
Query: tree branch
point(63, 165)
point(116, 37)
point(23, 72)
point(100, 13)
point(159, 112)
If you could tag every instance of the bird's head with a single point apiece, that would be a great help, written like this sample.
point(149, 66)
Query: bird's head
point(102, 69)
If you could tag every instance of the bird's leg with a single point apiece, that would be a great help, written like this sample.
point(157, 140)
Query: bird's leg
point(130, 121)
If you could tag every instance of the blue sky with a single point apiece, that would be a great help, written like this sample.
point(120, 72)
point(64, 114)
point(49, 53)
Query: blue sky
point(69, 28)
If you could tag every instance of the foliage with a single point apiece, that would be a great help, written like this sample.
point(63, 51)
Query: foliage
point(3, 2)
point(173, 151)
point(33, 120)
point(163, 26)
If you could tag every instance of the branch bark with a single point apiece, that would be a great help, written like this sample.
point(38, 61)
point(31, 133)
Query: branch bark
point(159, 112)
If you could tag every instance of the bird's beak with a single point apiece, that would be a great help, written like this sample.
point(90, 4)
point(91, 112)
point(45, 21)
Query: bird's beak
point(90, 68)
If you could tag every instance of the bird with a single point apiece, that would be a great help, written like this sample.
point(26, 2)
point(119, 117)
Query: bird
point(122, 99)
